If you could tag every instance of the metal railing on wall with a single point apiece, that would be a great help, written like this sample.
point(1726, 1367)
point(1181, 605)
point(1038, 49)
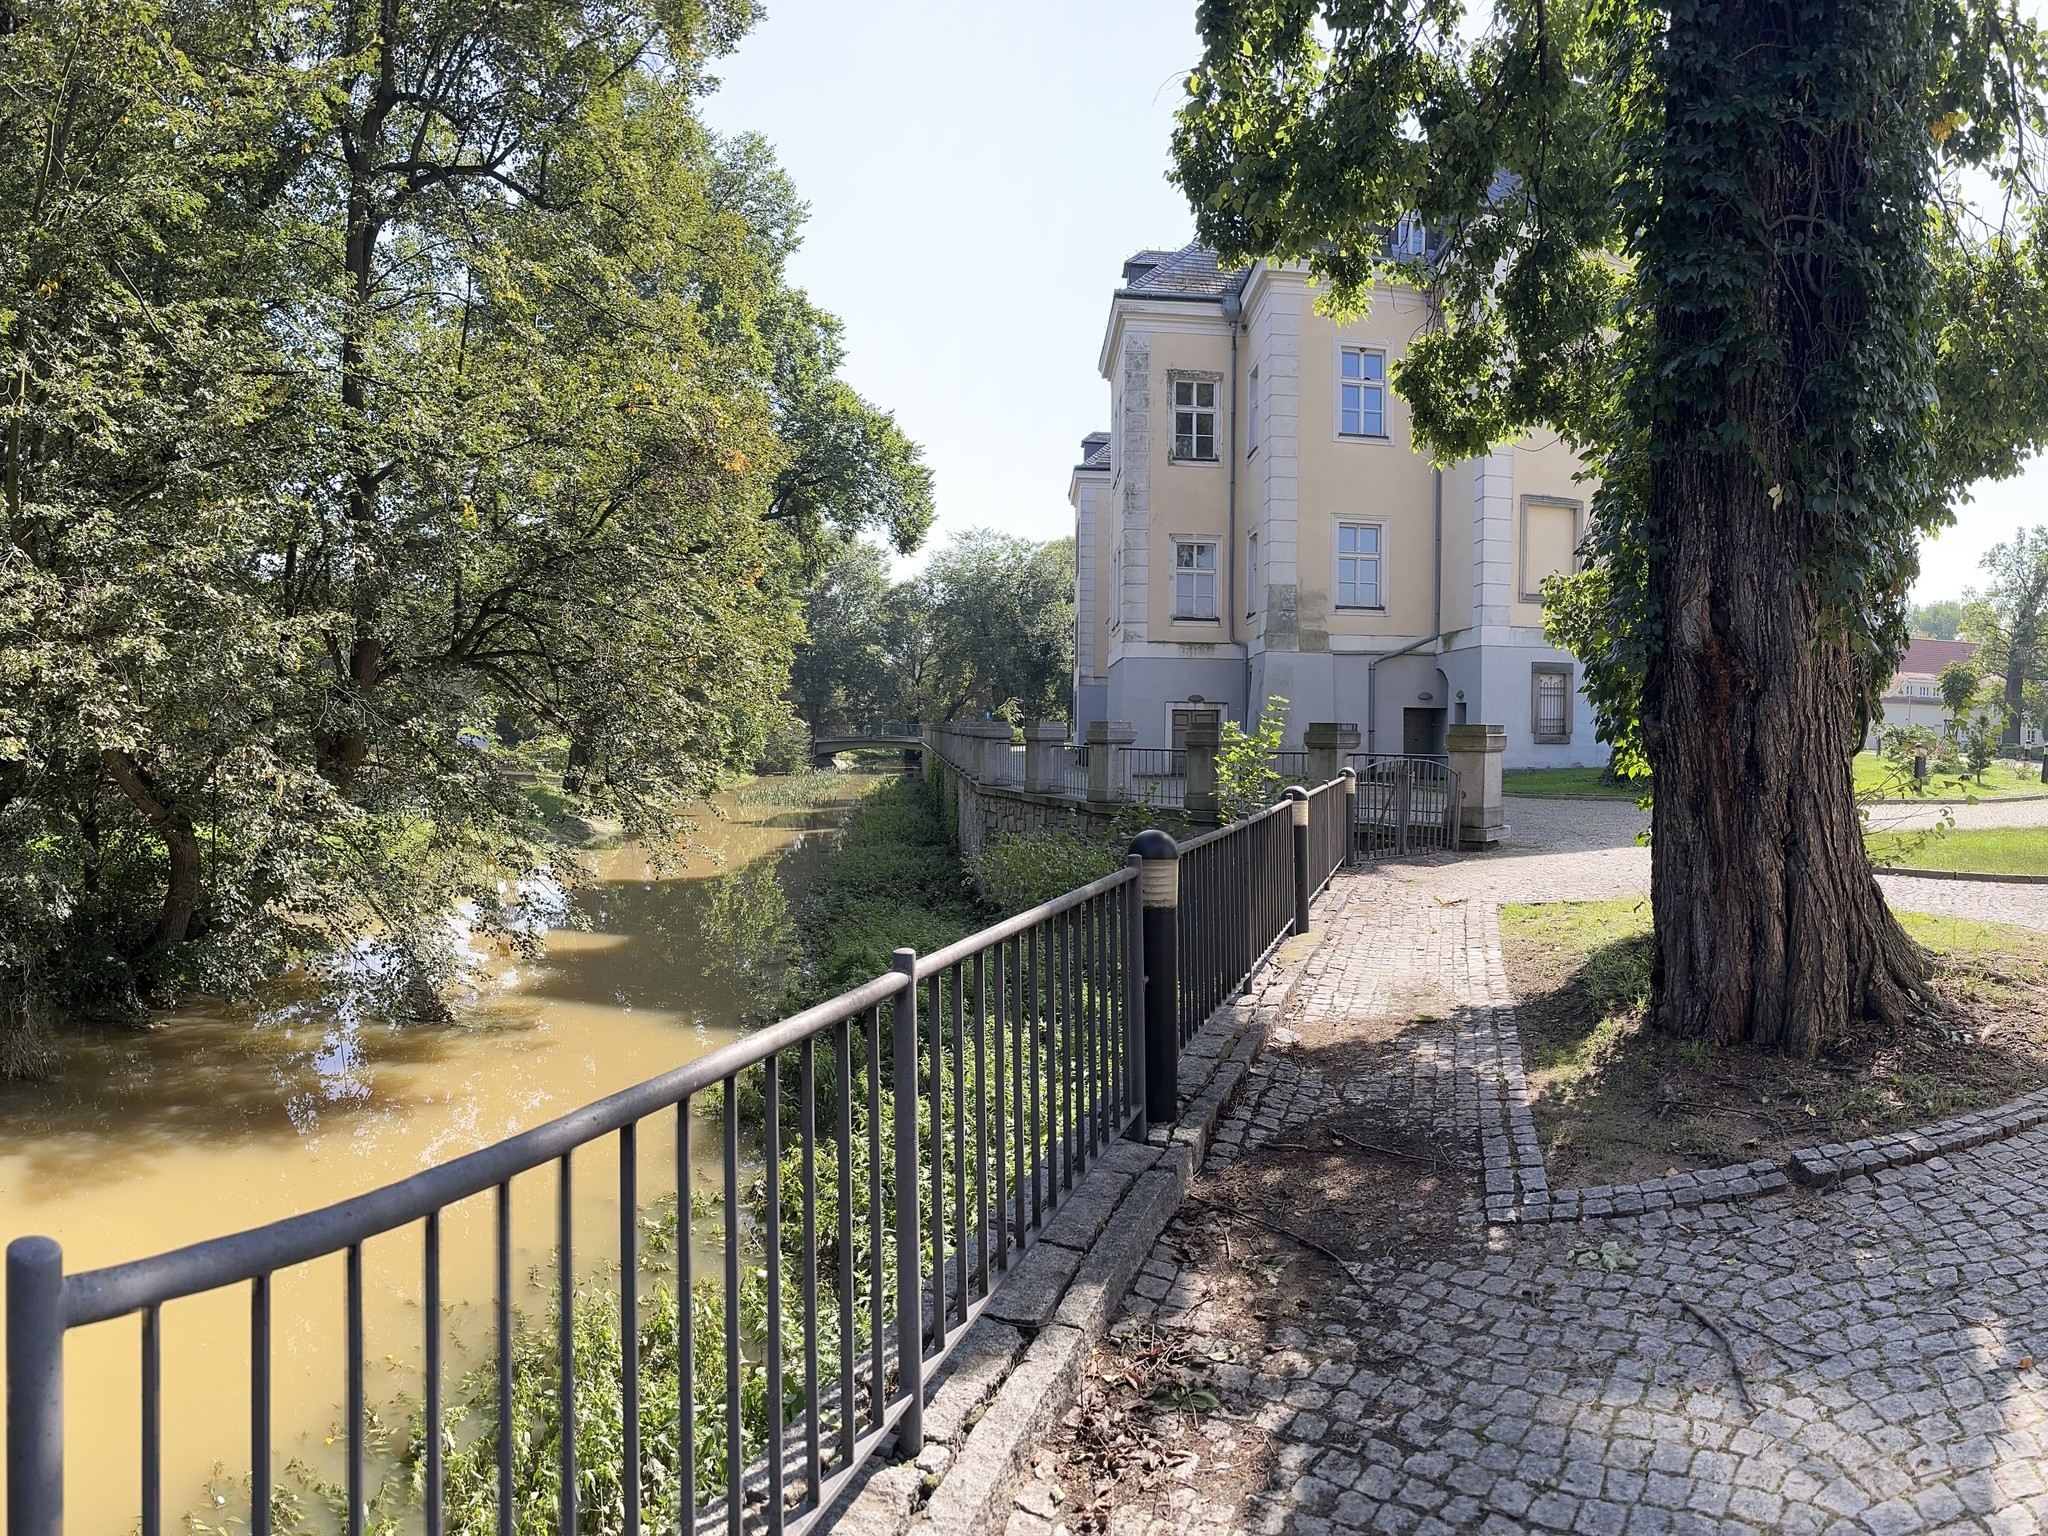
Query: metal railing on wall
point(855, 1241)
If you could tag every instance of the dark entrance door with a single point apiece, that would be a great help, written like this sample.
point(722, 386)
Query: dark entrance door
point(1422, 732)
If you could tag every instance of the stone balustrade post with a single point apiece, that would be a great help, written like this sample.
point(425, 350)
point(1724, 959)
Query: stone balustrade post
point(1474, 752)
point(1044, 743)
point(1203, 803)
point(1329, 742)
point(991, 751)
point(1109, 768)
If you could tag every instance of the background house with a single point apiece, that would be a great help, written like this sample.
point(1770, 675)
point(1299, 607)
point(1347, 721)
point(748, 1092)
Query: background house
point(1256, 522)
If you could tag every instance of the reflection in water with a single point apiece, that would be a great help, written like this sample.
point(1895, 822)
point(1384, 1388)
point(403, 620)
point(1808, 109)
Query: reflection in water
point(219, 1118)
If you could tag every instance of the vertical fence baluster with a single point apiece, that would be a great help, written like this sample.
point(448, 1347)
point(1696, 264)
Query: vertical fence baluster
point(877, 1395)
point(430, 1264)
point(1098, 1034)
point(629, 1323)
point(909, 1292)
point(999, 1025)
point(980, 1126)
point(936, 1081)
point(1069, 1052)
point(565, 1342)
point(259, 1406)
point(686, 1332)
point(808, 1126)
point(771, 1093)
point(357, 1510)
point(504, 1300)
point(735, 1439)
point(1029, 1022)
point(152, 1421)
point(849, 1302)
point(956, 978)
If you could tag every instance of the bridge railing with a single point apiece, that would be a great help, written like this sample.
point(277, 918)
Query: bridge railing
point(878, 1164)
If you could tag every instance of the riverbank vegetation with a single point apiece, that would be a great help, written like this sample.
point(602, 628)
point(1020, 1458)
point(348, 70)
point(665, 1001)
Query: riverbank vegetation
point(390, 407)
point(1615, 1101)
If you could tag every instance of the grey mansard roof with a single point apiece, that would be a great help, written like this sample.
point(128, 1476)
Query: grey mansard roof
point(1188, 273)
point(1094, 451)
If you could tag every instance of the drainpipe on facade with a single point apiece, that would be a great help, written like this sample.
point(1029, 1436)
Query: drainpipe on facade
point(1233, 306)
point(1436, 624)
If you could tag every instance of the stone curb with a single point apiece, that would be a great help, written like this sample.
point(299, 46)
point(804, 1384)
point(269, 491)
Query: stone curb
point(1019, 1367)
point(1822, 1167)
point(1964, 874)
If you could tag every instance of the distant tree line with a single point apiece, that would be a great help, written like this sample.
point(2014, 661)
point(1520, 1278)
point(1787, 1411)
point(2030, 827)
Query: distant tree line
point(391, 399)
point(986, 627)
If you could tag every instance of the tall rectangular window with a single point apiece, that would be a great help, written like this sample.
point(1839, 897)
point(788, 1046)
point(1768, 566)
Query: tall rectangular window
point(1116, 585)
point(1251, 573)
point(1362, 393)
point(1194, 579)
point(1551, 702)
point(1358, 565)
point(1194, 418)
point(1251, 428)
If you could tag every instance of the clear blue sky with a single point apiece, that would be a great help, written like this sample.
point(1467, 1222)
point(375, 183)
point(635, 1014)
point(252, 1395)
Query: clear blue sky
point(976, 175)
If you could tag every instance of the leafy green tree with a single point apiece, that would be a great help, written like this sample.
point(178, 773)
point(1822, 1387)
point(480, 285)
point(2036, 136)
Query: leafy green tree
point(1958, 684)
point(1935, 621)
point(1720, 249)
point(2010, 621)
point(1002, 621)
point(382, 386)
point(842, 676)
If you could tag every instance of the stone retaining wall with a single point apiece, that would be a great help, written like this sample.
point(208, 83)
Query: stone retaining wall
point(990, 811)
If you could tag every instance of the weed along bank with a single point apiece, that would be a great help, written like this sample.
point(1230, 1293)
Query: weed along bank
point(700, 1300)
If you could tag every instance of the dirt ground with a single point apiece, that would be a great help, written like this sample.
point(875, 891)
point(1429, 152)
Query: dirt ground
point(1261, 1252)
point(1614, 1102)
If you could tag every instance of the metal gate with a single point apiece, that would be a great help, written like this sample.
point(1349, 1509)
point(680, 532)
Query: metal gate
point(1406, 805)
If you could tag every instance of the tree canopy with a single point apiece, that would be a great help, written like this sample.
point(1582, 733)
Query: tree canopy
point(988, 626)
point(390, 394)
point(2009, 621)
point(1725, 251)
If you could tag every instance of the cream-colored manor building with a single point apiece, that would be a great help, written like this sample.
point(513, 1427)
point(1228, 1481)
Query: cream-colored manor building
point(1256, 522)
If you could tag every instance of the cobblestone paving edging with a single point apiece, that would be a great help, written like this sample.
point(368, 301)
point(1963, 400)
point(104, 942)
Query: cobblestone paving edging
point(1842, 1346)
point(1020, 1363)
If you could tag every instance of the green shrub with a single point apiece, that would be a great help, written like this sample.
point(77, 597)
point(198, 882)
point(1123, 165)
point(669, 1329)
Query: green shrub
point(1021, 871)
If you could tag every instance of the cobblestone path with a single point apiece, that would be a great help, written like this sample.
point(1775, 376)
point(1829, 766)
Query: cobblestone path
point(1856, 1361)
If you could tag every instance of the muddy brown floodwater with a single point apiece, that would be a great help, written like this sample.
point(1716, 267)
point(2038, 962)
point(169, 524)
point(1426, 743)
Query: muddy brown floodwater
point(213, 1120)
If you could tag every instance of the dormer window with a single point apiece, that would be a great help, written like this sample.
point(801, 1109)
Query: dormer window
point(1194, 415)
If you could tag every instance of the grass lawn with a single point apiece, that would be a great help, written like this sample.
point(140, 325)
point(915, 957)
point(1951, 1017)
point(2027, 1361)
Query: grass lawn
point(1570, 781)
point(2002, 781)
point(1614, 1103)
point(1986, 851)
point(1874, 777)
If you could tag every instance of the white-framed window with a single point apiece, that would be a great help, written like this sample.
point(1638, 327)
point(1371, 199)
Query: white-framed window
point(1194, 578)
point(1194, 415)
point(1411, 238)
point(1251, 573)
point(1251, 419)
point(1550, 702)
point(1361, 549)
point(1362, 392)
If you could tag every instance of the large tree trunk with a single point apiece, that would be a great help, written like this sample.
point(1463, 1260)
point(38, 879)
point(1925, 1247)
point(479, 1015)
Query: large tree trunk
point(1770, 927)
point(181, 850)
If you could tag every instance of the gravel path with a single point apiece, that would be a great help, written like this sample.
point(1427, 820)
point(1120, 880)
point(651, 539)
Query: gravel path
point(1856, 1361)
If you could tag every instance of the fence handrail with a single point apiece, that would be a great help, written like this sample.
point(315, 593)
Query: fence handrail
point(964, 949)
point(99, 1295)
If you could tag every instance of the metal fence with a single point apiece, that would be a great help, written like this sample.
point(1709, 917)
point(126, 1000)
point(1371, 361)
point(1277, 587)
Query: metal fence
point(1406, 805)
point(1070, 773)
point(881, 1161)
point(1156, 776)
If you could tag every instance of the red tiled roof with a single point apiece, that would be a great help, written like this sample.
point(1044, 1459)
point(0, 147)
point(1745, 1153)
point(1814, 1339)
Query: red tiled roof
point(1926, 658)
